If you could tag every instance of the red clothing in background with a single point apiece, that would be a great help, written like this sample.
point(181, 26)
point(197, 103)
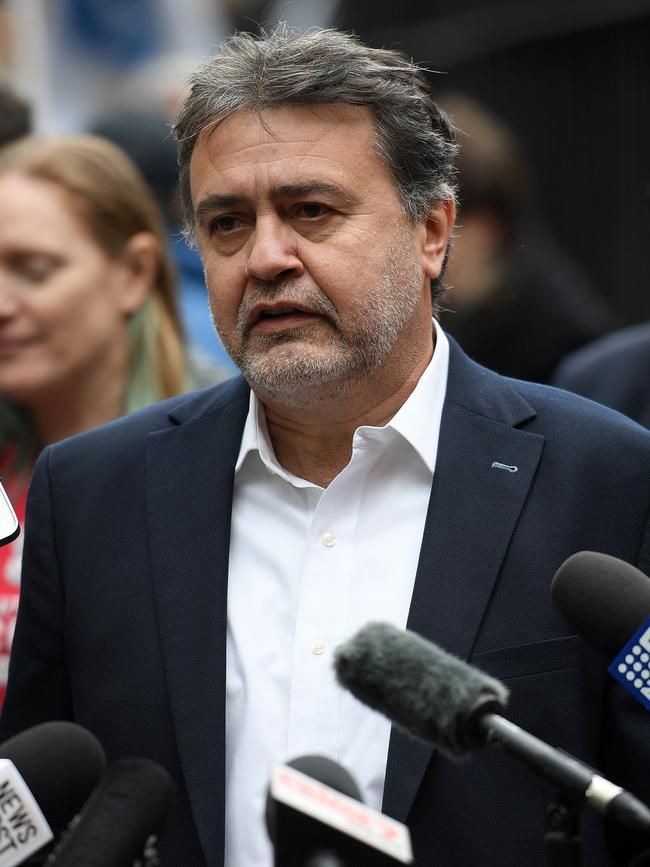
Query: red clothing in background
point(10, 557)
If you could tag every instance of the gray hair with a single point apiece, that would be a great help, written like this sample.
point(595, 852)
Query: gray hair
point(414, 137)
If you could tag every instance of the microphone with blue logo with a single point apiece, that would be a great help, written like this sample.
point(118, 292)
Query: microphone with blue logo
point(607, 602)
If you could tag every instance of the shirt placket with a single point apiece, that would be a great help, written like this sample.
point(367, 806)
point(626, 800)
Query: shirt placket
point(314, 725)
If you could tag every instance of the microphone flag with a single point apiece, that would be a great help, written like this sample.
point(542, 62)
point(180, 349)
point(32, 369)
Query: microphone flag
point(23, 827)
point(631, 667)
point(388, 839)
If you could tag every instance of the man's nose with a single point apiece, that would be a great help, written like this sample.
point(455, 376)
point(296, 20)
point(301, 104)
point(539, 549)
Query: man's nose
point(273, 251)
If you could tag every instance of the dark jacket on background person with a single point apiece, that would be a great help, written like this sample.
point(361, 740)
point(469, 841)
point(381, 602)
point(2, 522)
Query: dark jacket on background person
point(614, 371)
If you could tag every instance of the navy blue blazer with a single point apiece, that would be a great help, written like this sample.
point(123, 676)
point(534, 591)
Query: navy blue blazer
point(122, 624)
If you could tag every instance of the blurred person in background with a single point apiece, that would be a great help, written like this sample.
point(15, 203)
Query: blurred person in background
point(515, 303)
point(143, 130)
point(614, 371)
point(15, 116)
point(88, 322)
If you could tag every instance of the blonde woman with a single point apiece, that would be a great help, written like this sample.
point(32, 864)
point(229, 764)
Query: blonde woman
point(88, 321)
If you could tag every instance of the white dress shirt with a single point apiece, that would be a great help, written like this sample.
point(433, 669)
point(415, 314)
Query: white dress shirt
point(309, 567)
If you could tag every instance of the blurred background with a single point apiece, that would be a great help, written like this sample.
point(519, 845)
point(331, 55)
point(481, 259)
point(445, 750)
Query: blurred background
point(565, 83)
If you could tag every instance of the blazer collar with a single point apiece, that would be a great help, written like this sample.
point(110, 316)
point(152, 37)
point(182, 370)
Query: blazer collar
point(483, 391)
point(208, 401)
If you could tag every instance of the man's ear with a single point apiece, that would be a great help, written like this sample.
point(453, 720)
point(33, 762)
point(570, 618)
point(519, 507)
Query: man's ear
point(436, 232)
point(141, 259)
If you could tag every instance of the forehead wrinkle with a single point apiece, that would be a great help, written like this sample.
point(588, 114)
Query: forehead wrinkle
point(307, 187)
point(232, 135)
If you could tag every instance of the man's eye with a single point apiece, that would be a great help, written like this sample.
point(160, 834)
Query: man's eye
point(225, 224)
point(311, 210)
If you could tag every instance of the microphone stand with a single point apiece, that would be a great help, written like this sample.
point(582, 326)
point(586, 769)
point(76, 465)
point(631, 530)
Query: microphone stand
point(562, 836)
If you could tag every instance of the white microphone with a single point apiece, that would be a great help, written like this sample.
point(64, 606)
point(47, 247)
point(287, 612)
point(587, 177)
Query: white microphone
point(9, 527)
point(46, 774)
point(315, 818)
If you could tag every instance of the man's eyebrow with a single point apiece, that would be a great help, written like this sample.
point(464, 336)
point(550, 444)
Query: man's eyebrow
point(219, 201)
point(215, 202)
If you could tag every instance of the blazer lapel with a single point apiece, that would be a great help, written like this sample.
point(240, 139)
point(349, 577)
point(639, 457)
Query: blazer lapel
point(189, 496)
point(484, 469)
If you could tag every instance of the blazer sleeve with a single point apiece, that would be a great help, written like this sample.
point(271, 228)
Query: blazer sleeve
point(38, 687)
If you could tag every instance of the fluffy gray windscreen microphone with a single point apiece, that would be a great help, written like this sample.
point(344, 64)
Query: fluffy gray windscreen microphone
point(421, 688)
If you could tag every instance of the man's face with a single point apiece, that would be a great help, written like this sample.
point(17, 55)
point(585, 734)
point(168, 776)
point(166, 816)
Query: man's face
point(316, 276)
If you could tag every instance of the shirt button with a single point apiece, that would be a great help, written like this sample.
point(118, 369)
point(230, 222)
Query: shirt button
point(317, 647)
point(328, 539)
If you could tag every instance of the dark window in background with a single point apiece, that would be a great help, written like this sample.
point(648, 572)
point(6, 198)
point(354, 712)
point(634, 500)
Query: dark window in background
point(573, 82)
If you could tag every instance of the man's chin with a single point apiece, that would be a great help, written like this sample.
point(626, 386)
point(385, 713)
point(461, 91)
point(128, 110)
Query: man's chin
point(296, 380)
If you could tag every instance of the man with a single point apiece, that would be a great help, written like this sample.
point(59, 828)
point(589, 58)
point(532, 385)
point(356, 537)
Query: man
point(189, 570)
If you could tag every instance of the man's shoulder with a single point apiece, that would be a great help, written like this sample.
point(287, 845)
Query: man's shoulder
point(559, 415)
point(586, 439)
point(568, 411)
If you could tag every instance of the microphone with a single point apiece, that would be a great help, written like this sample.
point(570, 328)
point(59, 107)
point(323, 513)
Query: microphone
point(315, 818)
point(118, 825)
point(448, 703)
point(9, 527)
point(46, 773)
point(607, 602)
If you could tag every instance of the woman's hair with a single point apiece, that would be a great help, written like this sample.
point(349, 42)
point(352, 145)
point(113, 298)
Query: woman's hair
point(115, 203)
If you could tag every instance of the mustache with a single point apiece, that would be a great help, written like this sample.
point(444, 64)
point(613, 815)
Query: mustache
point(307, 297)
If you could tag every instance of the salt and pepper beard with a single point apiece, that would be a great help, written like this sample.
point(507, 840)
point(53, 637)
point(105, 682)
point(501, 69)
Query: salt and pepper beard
point(288, 366)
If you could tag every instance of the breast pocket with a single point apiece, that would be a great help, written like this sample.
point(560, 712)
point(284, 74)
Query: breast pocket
point(526, 659)
point(548, 695)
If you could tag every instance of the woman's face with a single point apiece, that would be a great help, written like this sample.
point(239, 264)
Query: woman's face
point(64, 303)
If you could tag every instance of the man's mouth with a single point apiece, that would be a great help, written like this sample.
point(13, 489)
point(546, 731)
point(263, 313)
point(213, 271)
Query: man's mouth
point(281, 311)
point(274, 318)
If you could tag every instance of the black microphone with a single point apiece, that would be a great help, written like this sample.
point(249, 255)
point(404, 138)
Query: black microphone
point(607, 602)
point(315, 818)
point(119, 824)
point(604, 599)
point(46, 774)
point(443, 701)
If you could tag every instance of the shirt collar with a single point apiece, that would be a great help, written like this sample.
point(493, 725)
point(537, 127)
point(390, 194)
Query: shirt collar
point(418, 419)
point(415, 420)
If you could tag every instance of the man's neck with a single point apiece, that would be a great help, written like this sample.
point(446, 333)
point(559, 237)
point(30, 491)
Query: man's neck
point(314, 440)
